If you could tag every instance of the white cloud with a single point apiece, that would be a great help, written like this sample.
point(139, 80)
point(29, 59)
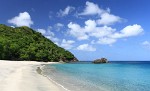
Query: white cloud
point(91, 9)
point(128, 31)
point(52, 38)
point(49, 31)
point(49, 34)
point(23, 19)
point(86, 47)
point(90, 25)
point(106, 41)
point(146, 44)
point(76, 31)
point(132, 30)
point(67, 44)
point(104, 34)
point(66, 11)
point(58, 26)
point(90, 29)
point(43, 31)
point(100, 32)
point(108, 19)
point(105, 17)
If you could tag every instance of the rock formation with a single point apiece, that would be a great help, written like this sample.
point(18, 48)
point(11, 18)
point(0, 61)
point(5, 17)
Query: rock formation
point(99, 61)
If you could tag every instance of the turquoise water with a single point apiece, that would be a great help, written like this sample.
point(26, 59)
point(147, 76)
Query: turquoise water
point(114, 76)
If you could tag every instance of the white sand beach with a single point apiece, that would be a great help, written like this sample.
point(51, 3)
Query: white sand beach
point(22, 76)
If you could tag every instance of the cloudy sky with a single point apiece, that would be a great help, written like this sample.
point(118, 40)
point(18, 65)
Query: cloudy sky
point(115, 29)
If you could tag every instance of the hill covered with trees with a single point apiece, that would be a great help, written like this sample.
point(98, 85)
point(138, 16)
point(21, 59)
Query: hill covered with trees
point(23, 43)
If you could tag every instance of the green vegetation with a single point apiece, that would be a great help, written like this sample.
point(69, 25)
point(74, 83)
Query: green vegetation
point(23, 43)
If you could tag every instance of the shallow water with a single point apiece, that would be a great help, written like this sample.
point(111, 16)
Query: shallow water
point(114, 76)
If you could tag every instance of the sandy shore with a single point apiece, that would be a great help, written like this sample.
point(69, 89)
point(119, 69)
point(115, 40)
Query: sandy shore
point(23, 76)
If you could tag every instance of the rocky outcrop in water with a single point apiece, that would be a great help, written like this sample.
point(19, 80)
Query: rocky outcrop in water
point(99, 61)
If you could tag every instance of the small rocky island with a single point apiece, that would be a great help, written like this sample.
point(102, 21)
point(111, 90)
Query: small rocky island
point(100, 61)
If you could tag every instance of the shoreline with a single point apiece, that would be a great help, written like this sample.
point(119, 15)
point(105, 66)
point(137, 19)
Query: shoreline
point(50, 78)
point(23, 76)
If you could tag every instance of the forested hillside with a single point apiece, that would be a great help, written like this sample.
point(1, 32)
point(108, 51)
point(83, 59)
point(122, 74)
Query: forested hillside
point(23, 43)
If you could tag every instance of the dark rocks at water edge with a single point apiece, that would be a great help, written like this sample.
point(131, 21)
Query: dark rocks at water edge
point(100, 61)
point(64, 60)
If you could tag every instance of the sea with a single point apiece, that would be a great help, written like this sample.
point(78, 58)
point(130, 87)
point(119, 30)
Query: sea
point(112, 76)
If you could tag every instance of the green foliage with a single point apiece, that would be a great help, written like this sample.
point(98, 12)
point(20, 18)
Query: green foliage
point(23, 43)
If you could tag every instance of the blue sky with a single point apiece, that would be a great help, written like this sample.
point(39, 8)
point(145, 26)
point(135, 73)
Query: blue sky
point(90, 29)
